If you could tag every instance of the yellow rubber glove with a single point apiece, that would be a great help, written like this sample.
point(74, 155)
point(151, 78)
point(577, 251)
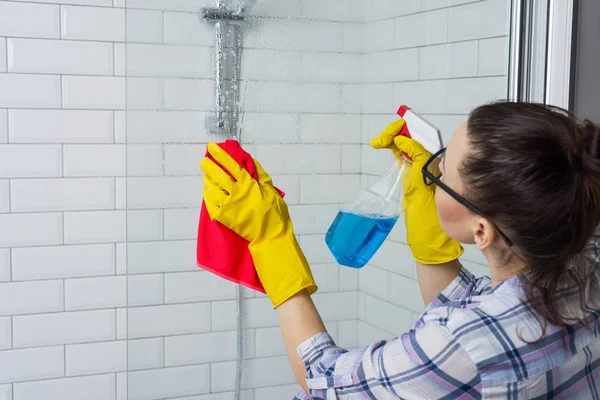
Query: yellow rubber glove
point(254, 210)
point(425, 237)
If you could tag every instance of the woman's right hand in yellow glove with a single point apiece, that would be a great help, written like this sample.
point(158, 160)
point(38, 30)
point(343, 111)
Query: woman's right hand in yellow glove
point(254, 210)
point(425, 237)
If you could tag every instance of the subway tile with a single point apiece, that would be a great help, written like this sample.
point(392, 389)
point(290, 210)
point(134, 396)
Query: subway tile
point(167, 256)
point(169, 61)
point(337, 306)
point(383, 9)
point(354, 38)
point(351, 158)
point(63, 262)
point(144, 290)
point(472, 254)
point(327, 128)
point(206, 348)
point(16, 161)
point(348, 334)
point(5, 265)
point(376, 162)
point(187, 28)
point(2, 55)
point(405, 293)
point(374, 281)
point(183, 159)
point(169, 382)
point(144, 93)
point(94, 160)
point(96, 387)
point(348, 279)
point(259, 314)
point(31, 364)
point(122, 322)
point(29, 20)
point(187, 287)
point(462, 95)
point(166, 320)
point(271, 65)
point(94, 293)
point(369, 334)
point(144, 225)
point(60, 126)
point(189, 94)
point(427, 5)
point(326, 276)
point(120, 193)
point(164, 192)
point(396, 258)
point(71, 194)
point(119, 59)
point(181, 223)
point(171, 5)
point(282, 9)
point(39, 229)
point(60, 57)
point(6, 392)
point(145, 353)
point(254, 376)
point(392, 66)
point(330, 10)
point(378, 312)
point(144, 160)
point(379, 35)
point(493, 57)
point(291, 97)
point(93, 92)
point(319, 189)
point(425, 97)
point(447, 124)
point(19, 298)
point(453, 60)
point(93, 23)
point(352, 99)
point(269, 342)
point(315, 249)
point(378, 99)
point(332, 67)
point(3, 116)
point(313, 219)
point(4, 196)
point(5, 334)
point(29, 91)
point(290, 184)
point(421, 29)
point(299, 35)
point(278, 392)
point(75, 2)
point(96, 358)
point(263, 128)
point(478, 20)
point(166, 127)
point(63, 328)
point(307, 159)
point(94, 227)
point(144, 26)
point(476, 269)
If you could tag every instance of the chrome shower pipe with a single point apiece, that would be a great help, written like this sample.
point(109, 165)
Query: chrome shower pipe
point(228, 45)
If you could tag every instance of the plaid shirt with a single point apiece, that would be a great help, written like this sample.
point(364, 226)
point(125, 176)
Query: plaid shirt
point(470, 343)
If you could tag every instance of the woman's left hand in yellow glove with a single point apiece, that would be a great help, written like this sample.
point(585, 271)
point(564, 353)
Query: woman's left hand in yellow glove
point(254, 210)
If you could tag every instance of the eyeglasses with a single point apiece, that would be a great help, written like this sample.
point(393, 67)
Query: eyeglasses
point(432, 175)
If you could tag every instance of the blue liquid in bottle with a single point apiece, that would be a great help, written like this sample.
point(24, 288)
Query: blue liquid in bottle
point(353, 239)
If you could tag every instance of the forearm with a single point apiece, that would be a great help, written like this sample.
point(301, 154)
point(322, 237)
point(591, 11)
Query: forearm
point(433, 279)
point(299, 321)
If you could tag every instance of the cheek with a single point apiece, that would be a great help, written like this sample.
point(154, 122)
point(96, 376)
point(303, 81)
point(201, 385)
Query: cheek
point(453, 217)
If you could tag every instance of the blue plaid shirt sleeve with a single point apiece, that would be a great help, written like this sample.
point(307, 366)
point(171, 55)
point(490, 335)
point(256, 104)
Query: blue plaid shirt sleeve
point(419, 364)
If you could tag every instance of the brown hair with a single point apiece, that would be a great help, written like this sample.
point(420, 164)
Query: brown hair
point(535, 171)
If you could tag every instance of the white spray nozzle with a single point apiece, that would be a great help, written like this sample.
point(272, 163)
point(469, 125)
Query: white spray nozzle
point(421, 130)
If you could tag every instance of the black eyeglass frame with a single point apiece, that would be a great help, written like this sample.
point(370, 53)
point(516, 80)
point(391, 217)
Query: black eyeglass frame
point(431, 179)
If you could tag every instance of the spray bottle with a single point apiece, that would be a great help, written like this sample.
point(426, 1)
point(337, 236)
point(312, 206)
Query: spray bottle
point(365, 221)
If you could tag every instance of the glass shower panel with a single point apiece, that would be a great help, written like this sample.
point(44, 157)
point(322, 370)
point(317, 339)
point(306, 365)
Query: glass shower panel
point(317, 82)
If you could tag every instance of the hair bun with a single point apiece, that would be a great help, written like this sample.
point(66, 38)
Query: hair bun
point(590, 155)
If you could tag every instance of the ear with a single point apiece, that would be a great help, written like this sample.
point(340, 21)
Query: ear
point(484, 233)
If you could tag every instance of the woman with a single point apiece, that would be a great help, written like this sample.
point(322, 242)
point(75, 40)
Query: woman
point(522, 183)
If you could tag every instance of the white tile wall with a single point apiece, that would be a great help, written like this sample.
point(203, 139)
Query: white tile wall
point(99, 207)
